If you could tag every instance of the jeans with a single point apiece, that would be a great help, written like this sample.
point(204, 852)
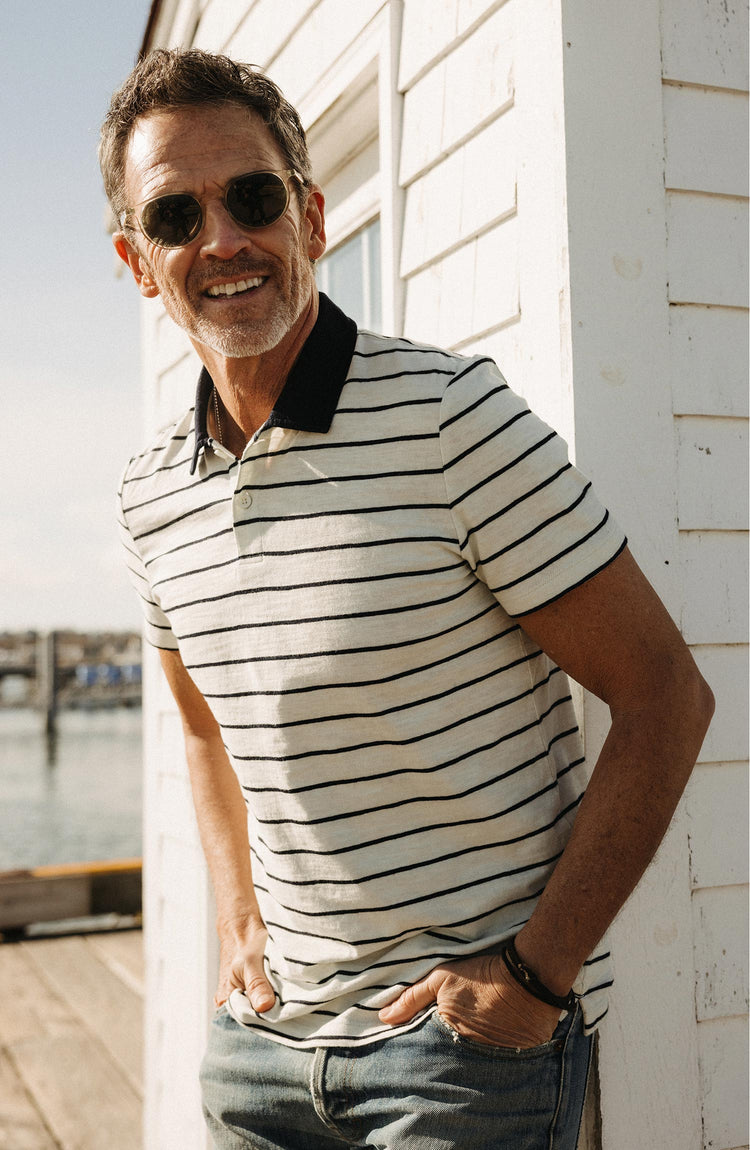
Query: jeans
point(427, 1089)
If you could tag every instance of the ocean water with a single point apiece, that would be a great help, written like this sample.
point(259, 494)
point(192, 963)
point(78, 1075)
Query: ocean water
point(77, 800)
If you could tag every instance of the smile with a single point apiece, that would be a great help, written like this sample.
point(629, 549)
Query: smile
point(235, 288)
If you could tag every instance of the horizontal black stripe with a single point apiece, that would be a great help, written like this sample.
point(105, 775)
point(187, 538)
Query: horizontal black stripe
point(333, 480)
point(314, 584)
point(188, 543)
point(409, 801)
point(166, 467)
point(201, 481)
point(553, 558)
point(597, 958)
point(318, 549)
point(410, 832)
point(484, 398)
point(599, 986)
point(501, 470)
point(473, 919)
point(379, 443)
point(340, 512)
point(483, 561)
point(302, 620)
point(588, 1027)
point(578, 583)
point(396, 404)
point(513, 504)
point(494, 434)
point(399, 346)
point(320, 753)
point(388, 908)
point(472, 365)
point(436, 860)
point(401, 374)
point(334, 652)
point(418, 669)
point(423, 700)
point(178, 519)
point(355, 445)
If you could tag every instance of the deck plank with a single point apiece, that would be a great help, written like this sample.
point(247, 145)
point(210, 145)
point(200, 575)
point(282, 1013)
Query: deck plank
point(87, 1102)
point(122, 952)
point(27, 1006)
point(70, 1044)
point(110, 1010)
point(21, 1124)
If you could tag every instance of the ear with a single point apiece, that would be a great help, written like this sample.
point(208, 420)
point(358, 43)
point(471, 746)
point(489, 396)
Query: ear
point(132, 257)
point(315, 217)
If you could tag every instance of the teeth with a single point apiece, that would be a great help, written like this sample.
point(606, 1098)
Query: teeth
point(232, 289)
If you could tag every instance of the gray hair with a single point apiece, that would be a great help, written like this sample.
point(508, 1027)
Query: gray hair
point(175, 78)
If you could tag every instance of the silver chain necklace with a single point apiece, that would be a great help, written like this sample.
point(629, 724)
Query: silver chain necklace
point(217, 417)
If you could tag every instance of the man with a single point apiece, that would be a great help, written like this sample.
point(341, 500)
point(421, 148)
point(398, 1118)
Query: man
point(365, 564)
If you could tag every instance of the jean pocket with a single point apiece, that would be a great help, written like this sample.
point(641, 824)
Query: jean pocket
point(489, 1050)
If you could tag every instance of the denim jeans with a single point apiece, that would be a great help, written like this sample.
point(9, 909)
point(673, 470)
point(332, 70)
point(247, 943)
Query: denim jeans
point(427, 1089)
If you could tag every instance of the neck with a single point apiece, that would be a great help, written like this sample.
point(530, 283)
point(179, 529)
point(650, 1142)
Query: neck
point(248, 388)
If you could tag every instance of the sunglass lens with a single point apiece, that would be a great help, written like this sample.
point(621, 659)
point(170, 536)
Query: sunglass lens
point(172, 221)
point(258, 199)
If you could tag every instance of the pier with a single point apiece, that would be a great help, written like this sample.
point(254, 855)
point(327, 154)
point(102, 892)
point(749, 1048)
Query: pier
point(71, 1009)
point(52, 670)
point(71, 1048)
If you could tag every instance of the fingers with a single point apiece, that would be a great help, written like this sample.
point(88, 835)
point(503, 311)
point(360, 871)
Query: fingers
point(413, 999)
point(249, 979)
point(258, 991)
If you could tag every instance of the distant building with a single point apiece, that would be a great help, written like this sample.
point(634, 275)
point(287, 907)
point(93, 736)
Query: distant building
point(561, 184)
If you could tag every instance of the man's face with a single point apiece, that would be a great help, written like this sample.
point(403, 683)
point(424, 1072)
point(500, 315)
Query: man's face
point(199, 150)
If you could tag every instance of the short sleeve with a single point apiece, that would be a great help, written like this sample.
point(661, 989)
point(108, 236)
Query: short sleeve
point(158, 632)
point(528, 522)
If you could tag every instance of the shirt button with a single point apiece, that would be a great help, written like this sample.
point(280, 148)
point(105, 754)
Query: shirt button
point(244, 499)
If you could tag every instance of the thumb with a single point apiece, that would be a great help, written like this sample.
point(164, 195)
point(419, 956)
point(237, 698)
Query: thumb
point(258, 990)
point(412, 1000)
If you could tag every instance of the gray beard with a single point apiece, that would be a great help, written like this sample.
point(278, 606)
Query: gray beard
point(239, 343)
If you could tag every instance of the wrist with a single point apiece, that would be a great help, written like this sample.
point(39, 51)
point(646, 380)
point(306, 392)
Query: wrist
point(238, 923)
point(525, 976)
point(548, 956)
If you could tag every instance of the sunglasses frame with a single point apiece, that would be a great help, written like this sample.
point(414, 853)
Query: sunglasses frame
point(137, 211)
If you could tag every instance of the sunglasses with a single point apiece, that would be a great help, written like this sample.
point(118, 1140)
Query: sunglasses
point(254, 200)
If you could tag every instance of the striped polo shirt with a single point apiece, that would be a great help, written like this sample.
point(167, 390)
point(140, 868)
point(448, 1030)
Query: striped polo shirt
point(348, 597)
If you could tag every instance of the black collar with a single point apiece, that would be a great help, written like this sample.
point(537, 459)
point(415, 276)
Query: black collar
point(311, 393)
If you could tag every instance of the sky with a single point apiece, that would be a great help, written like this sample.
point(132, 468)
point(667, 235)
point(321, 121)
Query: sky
point(69, 325)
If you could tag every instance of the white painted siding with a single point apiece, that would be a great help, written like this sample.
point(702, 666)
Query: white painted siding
point(706, 179)
point(562, 185)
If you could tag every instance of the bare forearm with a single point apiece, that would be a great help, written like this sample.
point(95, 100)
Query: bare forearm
point(222, 824)
point(641, 773)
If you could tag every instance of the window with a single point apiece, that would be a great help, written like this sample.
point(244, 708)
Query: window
point(353, 131)
point(350, 275)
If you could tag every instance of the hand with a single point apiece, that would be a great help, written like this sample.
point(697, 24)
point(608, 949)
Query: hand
point(480, 999)
point(243, 943)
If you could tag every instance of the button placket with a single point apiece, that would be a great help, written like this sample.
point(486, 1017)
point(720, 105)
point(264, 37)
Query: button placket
point(246, 532)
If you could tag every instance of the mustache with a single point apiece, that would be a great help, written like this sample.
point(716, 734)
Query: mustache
point(240, 268)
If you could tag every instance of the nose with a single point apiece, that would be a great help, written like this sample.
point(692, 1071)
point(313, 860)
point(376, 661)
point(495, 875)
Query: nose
point(221, 237)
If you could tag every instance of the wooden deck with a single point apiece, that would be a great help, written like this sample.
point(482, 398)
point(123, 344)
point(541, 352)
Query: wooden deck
point(70, 1042)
